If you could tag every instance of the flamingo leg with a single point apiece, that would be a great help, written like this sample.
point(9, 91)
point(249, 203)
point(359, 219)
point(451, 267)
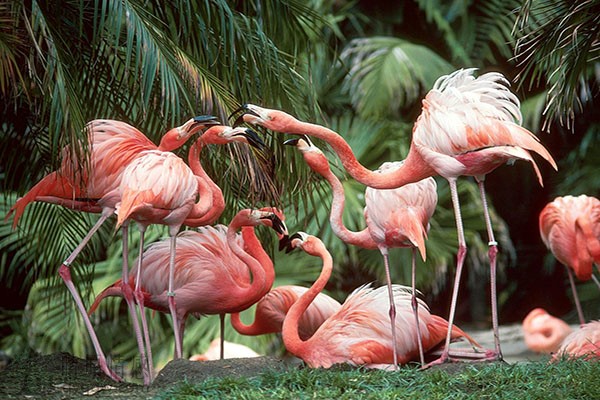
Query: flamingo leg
point(492, 252)
point(576, 297)
point(415, 305)
point(222, 322)
point(146, 364)
point(171, 295)
point(460, 259)
point(65, 273)
point(392, 312)
point(596, 281)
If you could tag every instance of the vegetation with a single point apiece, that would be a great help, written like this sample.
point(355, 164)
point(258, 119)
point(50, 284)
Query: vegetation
point(358, 67)
point(537, 380)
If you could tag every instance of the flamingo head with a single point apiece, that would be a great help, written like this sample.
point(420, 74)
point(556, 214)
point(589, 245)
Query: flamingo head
point(176, 137)
point(313, 156)
point(275, 120)
point(226, 134)
point(308, 243)
point(269, 217)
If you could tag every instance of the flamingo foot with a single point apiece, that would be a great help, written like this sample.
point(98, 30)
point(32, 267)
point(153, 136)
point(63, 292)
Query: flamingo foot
point(464, 355)
point(110, 373)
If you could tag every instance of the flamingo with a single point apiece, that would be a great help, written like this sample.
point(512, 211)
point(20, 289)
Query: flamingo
point(583, 343)
point(273, 307)
point(469, 126)
point(211, 270)
point(112, 145)
point(570, 228)
point(358, 333)
point(395, 218)
point(544, 333)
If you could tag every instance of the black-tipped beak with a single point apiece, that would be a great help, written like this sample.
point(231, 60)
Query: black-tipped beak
point(207, 120)
point(291, 142)
point(287, 243)
point(253, 139)
point(240, 119)
point(277, 224)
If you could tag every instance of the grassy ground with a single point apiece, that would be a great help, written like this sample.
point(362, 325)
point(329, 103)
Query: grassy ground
point(534, 380)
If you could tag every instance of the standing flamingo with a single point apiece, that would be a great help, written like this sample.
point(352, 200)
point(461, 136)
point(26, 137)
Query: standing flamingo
point(395, 218)
point(274, 306)
point(570, 228)
point(358, 333)
point(112, 146)
point(216, 271)
point(544, 333)
point(469, 126)
point(583, 343)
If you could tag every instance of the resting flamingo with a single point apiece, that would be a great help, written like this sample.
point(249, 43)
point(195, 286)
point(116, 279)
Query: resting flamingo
point(358, 333)
point(232, 350)
point(469, 126)
point(273, 307)
point(570, 228)
point(583, 343)
point(395, 218)
point(544, 333)
point(112, 145)
point(216, 270)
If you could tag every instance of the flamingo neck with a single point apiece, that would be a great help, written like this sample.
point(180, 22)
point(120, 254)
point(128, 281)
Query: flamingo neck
point(289, 331)
point(211, 203)
point(362, 238)
point(257, 271)
point(413, 170)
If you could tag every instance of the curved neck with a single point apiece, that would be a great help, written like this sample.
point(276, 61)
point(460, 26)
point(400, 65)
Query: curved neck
point(211, 203)
point(289, 331)
point(362, 238)
point(257, 271)
point(413, 170)
point(253, 246)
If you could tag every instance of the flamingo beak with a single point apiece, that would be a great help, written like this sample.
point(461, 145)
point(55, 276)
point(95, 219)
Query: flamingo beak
point(244, 109)
point(207, 120)
point(286, 242)
point(253, 139)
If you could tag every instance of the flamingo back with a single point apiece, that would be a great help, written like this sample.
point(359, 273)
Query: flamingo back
point(583, 343)
point(157, 179)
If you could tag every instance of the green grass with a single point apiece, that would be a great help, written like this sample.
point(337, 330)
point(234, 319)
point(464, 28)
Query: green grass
point(532, 380)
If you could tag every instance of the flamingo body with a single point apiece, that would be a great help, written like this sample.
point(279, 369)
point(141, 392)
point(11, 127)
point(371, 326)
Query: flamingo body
point(583, 343)
point(544, 333)
point(360, 333)
point(570, 228)
point(273, 307)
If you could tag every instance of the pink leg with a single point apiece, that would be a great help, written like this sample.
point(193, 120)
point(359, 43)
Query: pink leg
point(493, 250)
point(576, 297)
point(384, 252)
point(171, 295)
point(128, 295)
point(65, 274)
point(460, 259)
point(415, 304)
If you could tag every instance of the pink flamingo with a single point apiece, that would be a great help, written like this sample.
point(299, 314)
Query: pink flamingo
point(468, 127)
point(211, 270)
point(112, 146)
point(158, 187)
point(273, 307)
point(583, 343)
point(544, 333)
point(570, 228)
point(358, 334)
point(395, 218)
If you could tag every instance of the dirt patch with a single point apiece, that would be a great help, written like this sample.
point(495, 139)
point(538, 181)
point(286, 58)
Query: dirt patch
point(63, 376)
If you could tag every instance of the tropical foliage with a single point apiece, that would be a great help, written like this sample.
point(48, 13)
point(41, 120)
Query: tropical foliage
point(357, 67)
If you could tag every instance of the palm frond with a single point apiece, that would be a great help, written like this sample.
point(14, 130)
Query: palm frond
point(558, 44)
point(386, 73)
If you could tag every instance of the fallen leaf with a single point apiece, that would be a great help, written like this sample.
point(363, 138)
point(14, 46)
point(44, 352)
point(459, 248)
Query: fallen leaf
point(95, 390)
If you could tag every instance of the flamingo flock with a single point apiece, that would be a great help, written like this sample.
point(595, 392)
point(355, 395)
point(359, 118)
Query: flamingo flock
point(469, 126)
